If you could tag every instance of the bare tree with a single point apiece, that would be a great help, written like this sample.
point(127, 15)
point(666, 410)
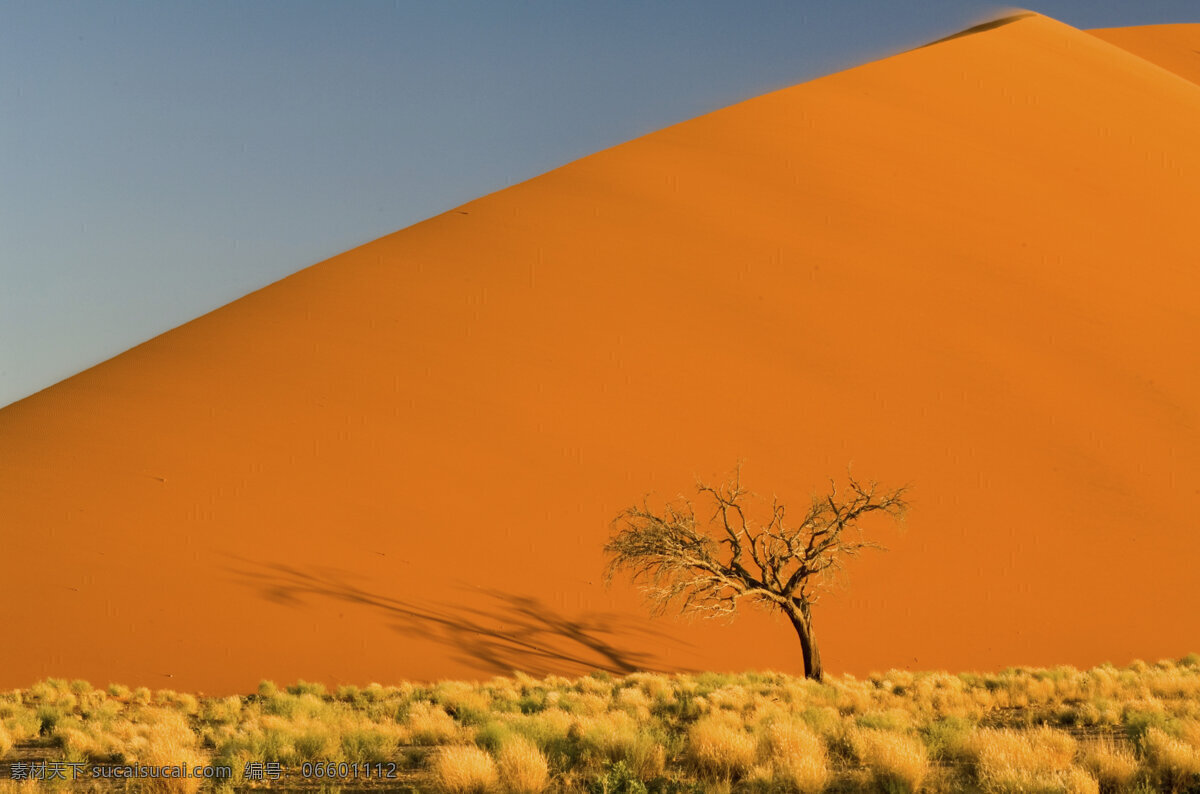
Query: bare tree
point(709, 569)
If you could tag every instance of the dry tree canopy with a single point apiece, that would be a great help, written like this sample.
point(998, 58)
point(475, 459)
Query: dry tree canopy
point(708, 567)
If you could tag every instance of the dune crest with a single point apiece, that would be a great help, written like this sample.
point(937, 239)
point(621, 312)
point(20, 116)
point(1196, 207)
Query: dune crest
point(969, 267)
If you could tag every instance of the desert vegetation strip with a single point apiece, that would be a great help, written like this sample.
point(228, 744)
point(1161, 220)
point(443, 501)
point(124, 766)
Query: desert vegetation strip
point(1107, 729)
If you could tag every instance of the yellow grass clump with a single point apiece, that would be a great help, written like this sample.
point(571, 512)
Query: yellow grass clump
point(635, 701)
point(1189, 731)
point(595, 685)
point(655, 685)
point(461, 697)
point(733, 698)
point(1026, 760)
point(719, 746)
point(617, 736)
point(464, 769)
point(369, 743)
point(1173, 762)
point(551, 723)
point(1114, 766)
point(523, 768)
point(164, 739)
point(795, 756)
point(1079, 781)
point(897, 762)
point(586, 703)
point(224, 710)
point(430, 724)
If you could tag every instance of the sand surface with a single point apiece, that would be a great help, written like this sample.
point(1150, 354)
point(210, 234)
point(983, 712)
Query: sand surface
point(971, 267)
point(1173, 47)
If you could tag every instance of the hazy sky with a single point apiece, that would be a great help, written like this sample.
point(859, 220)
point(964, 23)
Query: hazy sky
point(159, 159)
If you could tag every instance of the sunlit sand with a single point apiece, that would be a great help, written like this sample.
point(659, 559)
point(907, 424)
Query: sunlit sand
point(970, 268)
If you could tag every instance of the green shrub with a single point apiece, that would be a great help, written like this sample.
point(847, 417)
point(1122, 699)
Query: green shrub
point(315, 745)
point(307, 688)
point(618, 778)
point(1137, 722)
point(48, 717)
point(944, 738)
point(890, 720)
point(369, 746)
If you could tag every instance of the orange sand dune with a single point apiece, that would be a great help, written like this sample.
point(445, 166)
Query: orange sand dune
point(1173, 47)
point(970, 267)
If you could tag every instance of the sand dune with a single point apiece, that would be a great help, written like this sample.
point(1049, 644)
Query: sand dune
point(970, 267)
point(1173, 47)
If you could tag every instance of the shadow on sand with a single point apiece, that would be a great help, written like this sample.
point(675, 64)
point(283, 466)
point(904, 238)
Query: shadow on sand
point(505, 633)
point(982, 27)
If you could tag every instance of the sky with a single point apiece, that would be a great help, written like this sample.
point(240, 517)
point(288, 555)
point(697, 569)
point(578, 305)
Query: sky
point(158, 160)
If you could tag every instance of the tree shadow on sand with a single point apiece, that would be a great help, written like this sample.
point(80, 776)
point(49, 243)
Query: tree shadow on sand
point(508, 632)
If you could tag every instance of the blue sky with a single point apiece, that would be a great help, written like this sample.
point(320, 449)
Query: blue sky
point(158, 160)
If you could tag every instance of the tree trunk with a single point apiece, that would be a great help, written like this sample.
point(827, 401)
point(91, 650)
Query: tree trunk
point(802, 621)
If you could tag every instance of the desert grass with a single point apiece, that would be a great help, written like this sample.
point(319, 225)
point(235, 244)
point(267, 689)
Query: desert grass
point(897, 762)
point(1114, 766)
point(720, 746)
point(523, 768)
point(464, 769)
point(795, 757)
point(1107, 729)
point(1039, 759)
point(15, 787)
point(1174, 761)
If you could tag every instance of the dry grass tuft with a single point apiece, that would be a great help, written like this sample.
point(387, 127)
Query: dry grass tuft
point(523, 768)
point(430, 724)
point(655, 685)
point(1189, 731)
point(1174, 763)
point(1114, 766)
point(618, 737)
point(1020, 761)
point(719, 746)
point(796, 757)
point(464, 769)
point(635, 701)
point(1078, 781)
point(897, 762)
point(164, 739)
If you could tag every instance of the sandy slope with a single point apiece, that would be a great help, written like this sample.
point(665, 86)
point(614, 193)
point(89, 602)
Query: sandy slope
point(971, 267)
point(1173, 47)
